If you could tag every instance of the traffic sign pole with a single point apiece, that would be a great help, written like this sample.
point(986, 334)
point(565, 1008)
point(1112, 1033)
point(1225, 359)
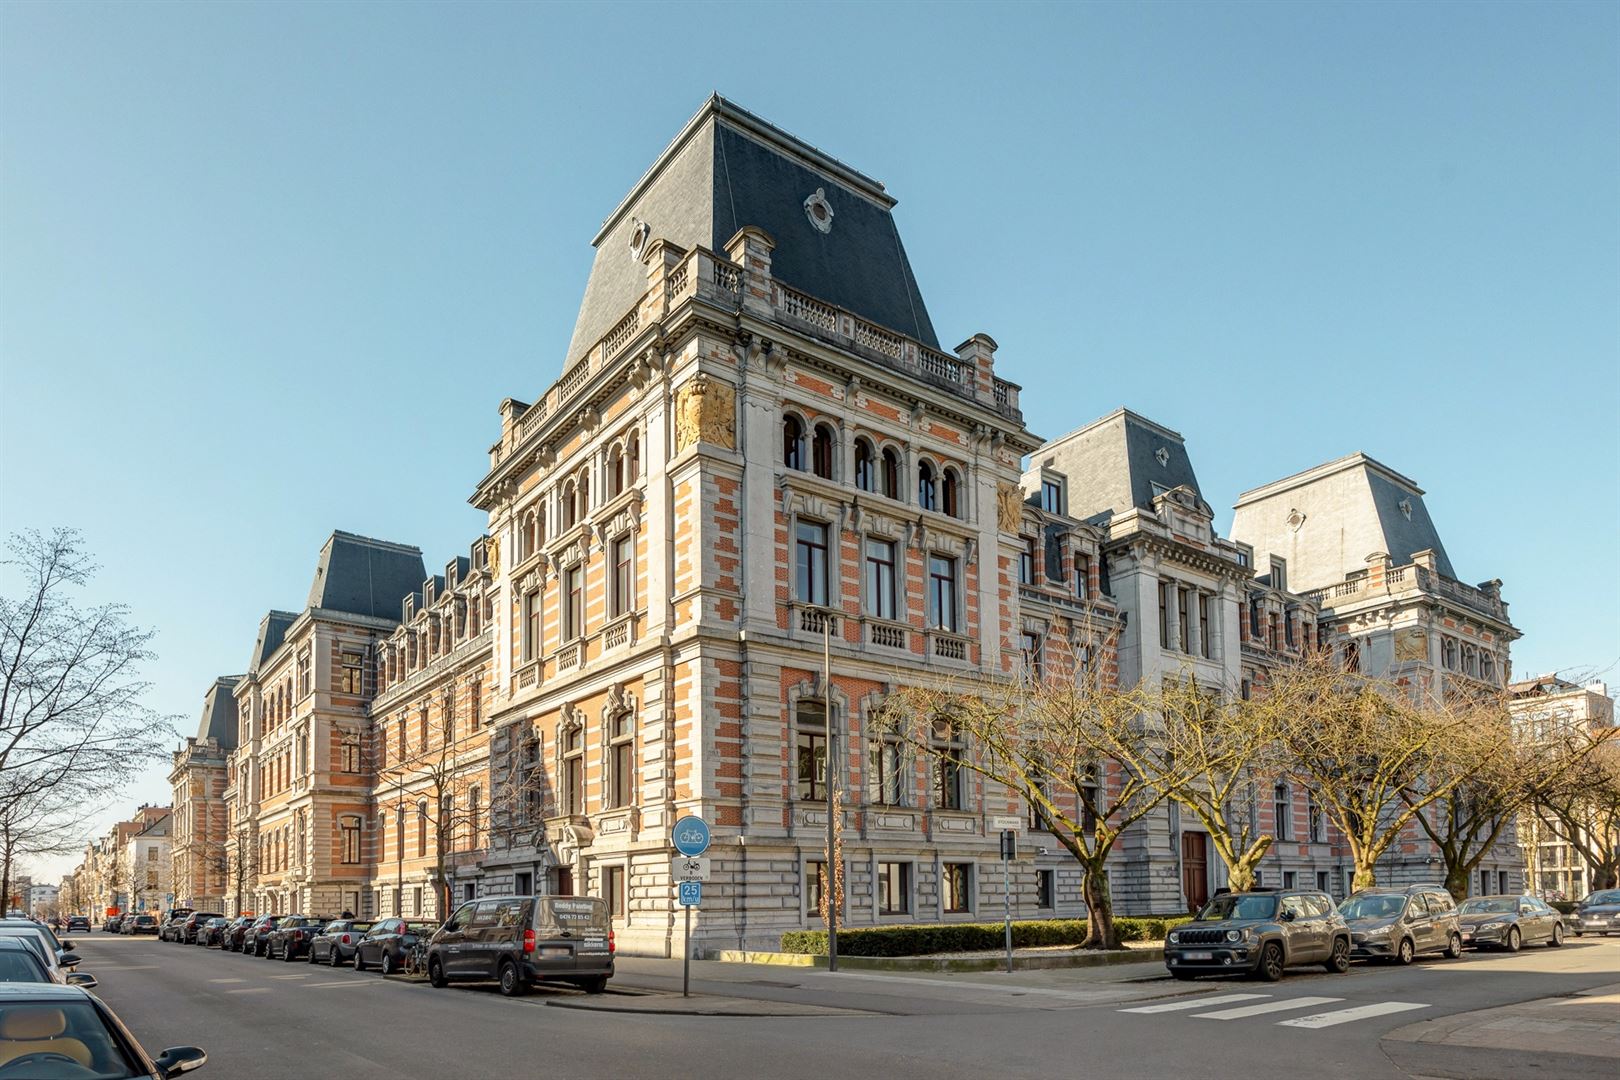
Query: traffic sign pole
point(686, 958)
point(691, 840)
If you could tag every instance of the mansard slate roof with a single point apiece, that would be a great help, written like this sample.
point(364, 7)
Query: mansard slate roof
point(728, 168)
point(1113, 462)
point(1353, 508)
point(361, 576)
point(219, 712)
point(272, 630)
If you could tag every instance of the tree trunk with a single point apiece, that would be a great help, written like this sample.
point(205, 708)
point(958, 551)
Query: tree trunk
point(1605, 875)
point(1365, 877)
point(1457, 882)
point(1240, 869)
point(1099, 911)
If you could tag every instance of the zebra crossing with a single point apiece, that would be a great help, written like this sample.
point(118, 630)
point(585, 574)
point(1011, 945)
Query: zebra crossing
point(1244, 1006)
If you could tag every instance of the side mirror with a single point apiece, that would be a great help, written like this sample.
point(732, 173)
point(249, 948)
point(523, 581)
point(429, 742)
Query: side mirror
point(81, 979)
point(67, 959)
point(1288, 915)
point(64, 942)
point(181, 1059)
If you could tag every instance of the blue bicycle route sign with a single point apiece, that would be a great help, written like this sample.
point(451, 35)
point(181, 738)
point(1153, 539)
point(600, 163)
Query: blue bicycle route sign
point(691, 835)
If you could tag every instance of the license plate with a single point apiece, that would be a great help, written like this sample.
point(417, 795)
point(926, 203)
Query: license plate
point(1199, 955)
point(554, 950)
point(595, 944)
point(1468, 937)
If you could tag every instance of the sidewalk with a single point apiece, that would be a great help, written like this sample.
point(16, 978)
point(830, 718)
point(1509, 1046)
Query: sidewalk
point(1586, 1023)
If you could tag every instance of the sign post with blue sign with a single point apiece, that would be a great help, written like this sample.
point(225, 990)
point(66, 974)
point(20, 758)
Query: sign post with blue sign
point(691, 838)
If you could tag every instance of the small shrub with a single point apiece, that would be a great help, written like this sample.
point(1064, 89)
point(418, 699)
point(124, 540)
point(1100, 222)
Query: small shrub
point(930, 938)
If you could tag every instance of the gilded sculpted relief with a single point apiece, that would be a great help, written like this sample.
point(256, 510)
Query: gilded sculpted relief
point(1009, 507)
point(705, 411)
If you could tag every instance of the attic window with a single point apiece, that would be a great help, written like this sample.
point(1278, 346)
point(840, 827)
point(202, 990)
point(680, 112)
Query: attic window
point(1163, 455)
point(639, 235)
point(819, 211)
point(1406, 508)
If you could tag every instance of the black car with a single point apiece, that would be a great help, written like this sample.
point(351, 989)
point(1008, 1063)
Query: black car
point(519, 940)
point(1597, 913)
point(335, 944)
point(235, 936)
point(144, 924)
point(386, 942)
point(193, 923)
point(1260, 933)
point(257, 939)
point(78, 922)
point(292, 935)
point(64, 1032)
point(111, 925)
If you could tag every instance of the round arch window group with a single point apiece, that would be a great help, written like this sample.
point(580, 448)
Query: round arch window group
point(812, 448)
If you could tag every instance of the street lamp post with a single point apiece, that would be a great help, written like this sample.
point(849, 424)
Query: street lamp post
point(832, 805)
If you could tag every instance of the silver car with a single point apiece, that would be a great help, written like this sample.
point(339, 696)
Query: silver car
point(1597, 913)
point(1400, 924)
point(1509, 922)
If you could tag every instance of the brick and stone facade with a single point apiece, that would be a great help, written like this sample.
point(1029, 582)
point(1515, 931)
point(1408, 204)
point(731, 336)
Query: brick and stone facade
point(200, 826)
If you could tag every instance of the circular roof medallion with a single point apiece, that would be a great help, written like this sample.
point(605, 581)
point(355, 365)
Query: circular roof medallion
point(640, 233)
point(819, 211)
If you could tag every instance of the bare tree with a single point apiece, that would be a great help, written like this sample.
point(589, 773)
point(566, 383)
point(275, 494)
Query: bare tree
point(1078, 750)
point(1373, 754)
point(71, 712)
point(1579, 800)
point(242, 863)
point(35, 824)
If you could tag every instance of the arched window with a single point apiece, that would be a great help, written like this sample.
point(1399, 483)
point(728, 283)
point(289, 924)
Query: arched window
point(421, 827)
point(927, 488)
point(950, 493)
point(584, 506)
point(528, 536)
point(569, 496)
point(891, 474)
point(632, 459)
point(821, 452)
point(865, 467)
point(615, 472)
point(793, 442)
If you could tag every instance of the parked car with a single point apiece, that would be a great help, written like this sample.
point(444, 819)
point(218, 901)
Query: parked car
point(63, 1031)
point(257, 939)
point(193, 923)
point(78, 923)
point(1597, 913)
point(1260, 933)
point(52, 951)
point(386, 942)
point(1509, 922)
point(520, 940)
point(22, 961)
point(336, 942)
point(144, 924)
point(291, 937)
point(208, 933)
point(111, 925)
point(171, 923)
point(1399, 924)
point(235, 937)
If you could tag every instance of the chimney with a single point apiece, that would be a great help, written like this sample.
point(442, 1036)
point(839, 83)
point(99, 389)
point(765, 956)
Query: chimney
point(980, 351)
point(751, 249)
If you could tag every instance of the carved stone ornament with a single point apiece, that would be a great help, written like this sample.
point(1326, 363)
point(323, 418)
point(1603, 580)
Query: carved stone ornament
point(1163, 455)
point(819, 211)
point(1009, 507)
point(492, 555)
point(639, 235)
point(1295, 519)
point(705, 411)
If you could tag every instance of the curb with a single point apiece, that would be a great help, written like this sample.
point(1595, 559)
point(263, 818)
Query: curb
point(572, 1003)
point(938, 963)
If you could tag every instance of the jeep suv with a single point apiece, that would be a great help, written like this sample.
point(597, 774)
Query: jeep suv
point(1398, 924)
point(1260, 933)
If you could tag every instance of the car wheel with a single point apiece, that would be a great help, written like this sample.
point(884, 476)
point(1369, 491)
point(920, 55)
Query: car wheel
point(1339, 961)
point(512, 984)
point(1557, 936)
point(1514, 941)
point(1453, 946)
point(287, 953)
point(1271, 962)
point(436, 974)
point(335, 958)
point(388, 963)
point(1577, 933)
point(1405, 953)
point(596, 984)
point(359, 961)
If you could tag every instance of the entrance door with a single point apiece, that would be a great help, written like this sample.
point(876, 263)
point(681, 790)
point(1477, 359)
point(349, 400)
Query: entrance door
point(1195, 869)
point(565, 881)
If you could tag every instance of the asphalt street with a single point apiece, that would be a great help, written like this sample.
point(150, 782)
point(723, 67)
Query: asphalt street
point(261, 1019)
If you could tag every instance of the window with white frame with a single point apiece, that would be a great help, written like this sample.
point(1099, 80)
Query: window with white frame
point(1052, 495)
point(810, 562)
point(623, 593)
point(885, 784)
point(621, 758)
point(573, 621)
point(880, 578)
point(942, 592)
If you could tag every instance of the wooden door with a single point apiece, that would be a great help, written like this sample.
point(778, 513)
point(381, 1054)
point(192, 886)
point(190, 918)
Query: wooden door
point(1195, 869)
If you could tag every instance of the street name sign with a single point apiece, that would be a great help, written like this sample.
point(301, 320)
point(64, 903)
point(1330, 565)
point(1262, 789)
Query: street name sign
point(689, 868)
point(1012, 822)
point(691, 835)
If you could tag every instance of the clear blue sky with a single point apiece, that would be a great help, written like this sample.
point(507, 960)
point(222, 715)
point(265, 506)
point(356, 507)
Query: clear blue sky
point(267, 270)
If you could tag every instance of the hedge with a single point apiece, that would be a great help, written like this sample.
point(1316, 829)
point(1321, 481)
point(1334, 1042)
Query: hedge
point(1566, 907)
point(968, 937)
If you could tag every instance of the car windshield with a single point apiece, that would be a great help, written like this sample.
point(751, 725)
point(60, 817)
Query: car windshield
point(1372, 907)
point(1607, 896)
point(19, 966)
point(72, 1029)
point(1238, 907)
point(1489, 906)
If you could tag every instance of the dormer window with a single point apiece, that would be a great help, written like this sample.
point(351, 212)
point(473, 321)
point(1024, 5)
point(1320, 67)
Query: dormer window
point(1052, 500)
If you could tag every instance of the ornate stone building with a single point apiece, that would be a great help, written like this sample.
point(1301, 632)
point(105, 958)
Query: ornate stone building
point(200, 825)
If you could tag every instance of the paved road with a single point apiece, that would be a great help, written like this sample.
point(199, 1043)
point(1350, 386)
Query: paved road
point(262, 1019)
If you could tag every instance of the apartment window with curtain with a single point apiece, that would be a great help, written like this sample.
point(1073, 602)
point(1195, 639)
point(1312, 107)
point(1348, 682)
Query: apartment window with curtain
point(880, 581)
point(810, 560)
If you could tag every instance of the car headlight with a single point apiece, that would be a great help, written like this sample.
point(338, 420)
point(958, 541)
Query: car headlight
point(1234, 935)
point(1174, 937)
point(1497, 925)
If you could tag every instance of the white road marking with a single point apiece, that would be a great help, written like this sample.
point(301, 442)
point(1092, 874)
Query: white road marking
point(305, 975)
point(128, 967)
point(250, 990)
point(1345, 1016)
point(1271, 1006)
point(1199, 1003)
point(227, 980)
point(346, 982)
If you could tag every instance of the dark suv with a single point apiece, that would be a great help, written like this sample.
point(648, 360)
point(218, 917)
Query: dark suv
point(519, 940)
point(1260, 933)
point(1398, 924)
